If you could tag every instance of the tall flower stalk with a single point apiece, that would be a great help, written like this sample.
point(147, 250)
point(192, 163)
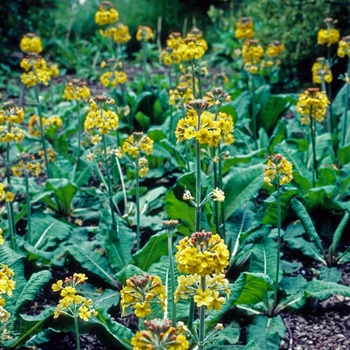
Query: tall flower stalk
point(312, 107)
point(344, 50)
point(134, 146)
point(99, 122)
point(278, 172)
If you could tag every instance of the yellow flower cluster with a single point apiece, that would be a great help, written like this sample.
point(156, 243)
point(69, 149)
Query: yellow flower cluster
point(99, 118)
point(344, 47)
point(144, 33)
point(174, 40)
point(180, 96)
point(244, 29)
point(54, 122)
point(252, 52)
point(213, 297)
point(28, 168)
point(7, 285)
point(169, 56)
point(158, 334)
point(119, 33)
point(143, 167)
point(112, 79)
point(321, 72)
point(106, 14)
point(14, 135)
point(210, 131)
point(329, 35)
point(53, 69)
point(203, 253)
point(136, 143)
point(76, 89)
point(51, 155)
point(5, 195)
point(274, 49)
point(140, 292)
point(278, 167)
point(31, 43)
point(73, 304)
point(192, 48)
point(36, 70)
point(312, 104)
point(11, 114)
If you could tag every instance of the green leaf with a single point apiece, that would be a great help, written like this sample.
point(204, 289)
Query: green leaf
point(270, 113)
point(31, 326)
point(155, 248)
point(241, 185)
point(118, 245)
point(330, 274)
point(294, 238)
point(230, 334)
point(254, 287)
point(143, 120)
point(270, 216)
point(63, 191)
point(82, 173)
point(323, 290)
point(338, 234)
point(32, 288)
point(343, 155)
point(241, 104)
point(254, 157)
point(278, 135)
point(339, 101)
point(267, 332)
point(264, 257)
point(307, 223)
point(91, 258)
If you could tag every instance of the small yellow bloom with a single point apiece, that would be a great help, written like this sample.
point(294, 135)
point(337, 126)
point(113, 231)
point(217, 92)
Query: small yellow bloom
point(278, 167)
point(57, 287)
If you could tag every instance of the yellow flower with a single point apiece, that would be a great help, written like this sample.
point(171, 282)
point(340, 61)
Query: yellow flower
point(244, 28)
point(107, 14)
point(344, 47)
point(202, 253)
point(218, 195)
point(217, 302)
point(321, 71)
point(1, 237)
point(84, 313)
point(278, 167)
point(68, 293)
point(274, 49)
point(328, 36)
point(313, 103)
point(203, 297)
point(76, 89)
point(136, 143)
point(252, 52)
point(142, 310)
point(57, 287)
point(31, 43)
point(144, 33)
point(9, 197)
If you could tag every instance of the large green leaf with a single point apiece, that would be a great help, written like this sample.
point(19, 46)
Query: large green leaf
point(118, 245)
point(30, 327)
point(250, 158)
point(343, 154)
point(267, 332)
point(270, 113)
point(241, 104)
point(241, 185)
point(155, 248)
point(63, 191)
point(339, 101)
point(307, 223)
point(278, 135)
point(254, 287)
point(32, 288)
point(89, 255)
point(82, 173)
point(264, 258)
point(323, 290)
point(295, 240)
point(270, 215)
point(338, 234)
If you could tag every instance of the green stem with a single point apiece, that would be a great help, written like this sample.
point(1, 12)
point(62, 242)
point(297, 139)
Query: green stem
point(313, 140)
point(202, 320)
point(193, 80)
point(172, 276)
point(191, 314)
point(122, 184)
point(109, 189)
point(29, 222)
point(345, 132)
point(11, 218)
point(77, 332)
point(42, 131)
point(254, 123)
point(327, 122)
point(198, 185)
point(144, 49)
point(278, 241)
point(79, 132)
point(137, 204)
point(223, 228)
